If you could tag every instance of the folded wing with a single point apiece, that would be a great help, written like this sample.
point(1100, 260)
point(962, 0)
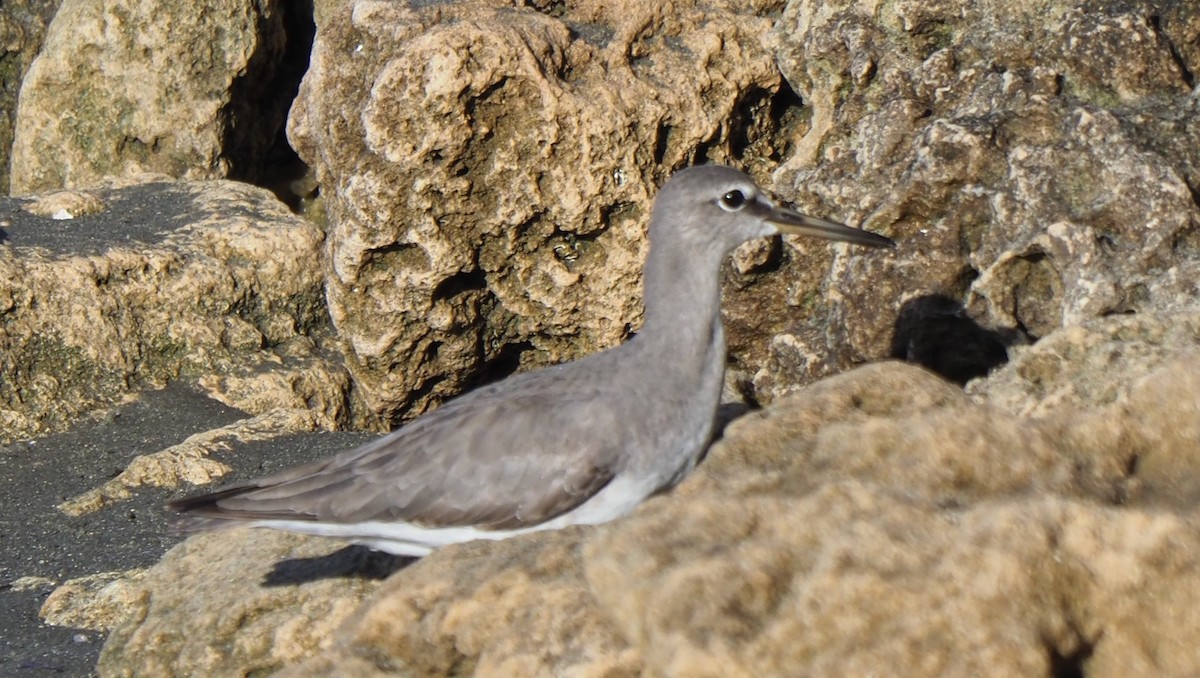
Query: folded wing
point(494, 463)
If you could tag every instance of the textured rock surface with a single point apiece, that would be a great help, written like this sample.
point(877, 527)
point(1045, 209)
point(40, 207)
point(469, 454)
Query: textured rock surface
point(488, 172)
point(1029, 157)
point(109, 596)
point(878, 518)
point(22, 29)
point(266, 626)
point(487, 169)
point(149, 86)
point(1092, 364)
point(170, 279)
point(525, 610)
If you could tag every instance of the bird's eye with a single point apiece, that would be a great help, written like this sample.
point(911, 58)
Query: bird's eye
point(733, 200)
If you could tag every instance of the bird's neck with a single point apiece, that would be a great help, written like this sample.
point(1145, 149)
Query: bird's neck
point(682, 295)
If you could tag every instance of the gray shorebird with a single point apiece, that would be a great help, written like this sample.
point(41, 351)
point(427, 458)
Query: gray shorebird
point(580, 443)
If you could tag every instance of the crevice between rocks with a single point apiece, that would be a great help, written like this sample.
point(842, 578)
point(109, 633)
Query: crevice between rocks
point(1070, 665)
point(255, 143)
point(1189, 78)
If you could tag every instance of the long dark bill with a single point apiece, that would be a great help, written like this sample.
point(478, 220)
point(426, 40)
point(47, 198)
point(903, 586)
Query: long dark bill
point(791, 222)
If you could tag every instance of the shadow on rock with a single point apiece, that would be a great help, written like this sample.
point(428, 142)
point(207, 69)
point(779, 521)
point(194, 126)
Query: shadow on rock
point(934, 331)
point(353, 561)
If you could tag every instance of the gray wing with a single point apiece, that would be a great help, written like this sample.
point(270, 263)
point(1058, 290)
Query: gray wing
point(488, 460)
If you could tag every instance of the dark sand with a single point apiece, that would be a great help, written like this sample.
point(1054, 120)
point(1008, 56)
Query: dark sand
point(38, 540)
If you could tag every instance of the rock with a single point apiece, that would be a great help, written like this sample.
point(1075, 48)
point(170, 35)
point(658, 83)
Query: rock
point(210, 587)
point(881, 521)
point(1026, 157)
point(488, 171)
point(302, 380)
point(191, 461)
point(881, 517)
point(1093, 364)
point(466, 592)
point(22, 29)
point(96, 602)
point(150, 86)
point(172, 279)
point(66, 205)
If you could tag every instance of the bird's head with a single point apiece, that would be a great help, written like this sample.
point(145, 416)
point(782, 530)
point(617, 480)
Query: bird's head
point(716, 206)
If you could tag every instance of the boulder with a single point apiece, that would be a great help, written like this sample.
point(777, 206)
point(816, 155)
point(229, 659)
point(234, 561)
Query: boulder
point(114, 289)
point(121, 88)
point(1027, 156)
point(488, 172)
point(878, 518)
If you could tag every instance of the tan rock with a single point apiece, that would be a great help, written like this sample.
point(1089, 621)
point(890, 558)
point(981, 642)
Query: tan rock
point(96, 602)
point(300, 380)
point(1092, 364)
point(215, 591)
point(488, 188)
point(881, 518)
point(513, 608)
point(66, 205)
point(148, 86)
point(1024, 155)
point(865, 542)
point(171, 279)
point(22, 30)
point(32, 583)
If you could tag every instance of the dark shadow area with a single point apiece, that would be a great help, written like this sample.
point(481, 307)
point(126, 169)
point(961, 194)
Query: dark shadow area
point(145, 213)
point(726, 413)
point(765, 124)
point(40, 540)
point(934, 331)
point(353, 561)
point(255, 142)
point(1070, 665)
point(462, 282)
point(506, 363)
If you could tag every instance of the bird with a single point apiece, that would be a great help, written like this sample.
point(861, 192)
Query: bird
point(578, 443)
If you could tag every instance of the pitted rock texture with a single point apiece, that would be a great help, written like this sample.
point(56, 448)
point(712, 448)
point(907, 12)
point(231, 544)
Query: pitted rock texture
point(150, 87)
point(1031, 159)
point(22, 29)
point(170, 279)
point(488, 172)
point(879, 518)
point(274, 625)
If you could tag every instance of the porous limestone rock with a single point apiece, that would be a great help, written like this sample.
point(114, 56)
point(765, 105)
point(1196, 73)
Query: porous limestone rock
point(170, 279)
point(95, 602)
point(22, 29)
point(221, 589)
point(157, 86)
point(879, 518)
point(488, 171)
point(1029, 157)
point(1092, 364)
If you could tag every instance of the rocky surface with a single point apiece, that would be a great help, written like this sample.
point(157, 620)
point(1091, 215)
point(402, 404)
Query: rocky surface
point(153, 87)
point(1029, 156)
point(486, 167)
point(44, 548)
point(110, 290)
point(67, 579)
point(488, 171)
point(878, 518)
point(22, 29)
